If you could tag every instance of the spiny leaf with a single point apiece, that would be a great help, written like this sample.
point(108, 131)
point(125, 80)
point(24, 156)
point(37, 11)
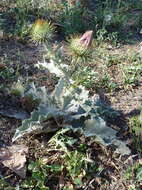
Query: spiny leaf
point(42, 30)
point(78, 110)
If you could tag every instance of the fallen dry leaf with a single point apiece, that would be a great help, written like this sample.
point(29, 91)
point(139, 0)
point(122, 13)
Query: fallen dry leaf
point(14, 157)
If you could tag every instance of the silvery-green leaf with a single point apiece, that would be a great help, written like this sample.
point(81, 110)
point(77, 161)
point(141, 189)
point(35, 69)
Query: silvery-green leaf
point(36, 93)
point(52, 67)
point(34, 123)
point(105, 111)
point(58, 94)
point(15, 113)
point(105, 135)
point(80, 112)
point(97, 127)
point(67, 98)
point(121, 147)
point(81, 94)
point(31, 89)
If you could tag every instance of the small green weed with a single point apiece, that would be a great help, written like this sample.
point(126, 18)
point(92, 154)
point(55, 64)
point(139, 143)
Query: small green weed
point(5, 185)
point(86, 77)
point(15, 22)
point(22, 26)
point(76, 163)
point(74, 19)
point(136, 130)
point(74, 166)
point(108, 83)
point(39, 175)
point(7, 73)
point(103, 36)
point(132, 73)
point(136, 125)
point(113, 60)
point(134, 173)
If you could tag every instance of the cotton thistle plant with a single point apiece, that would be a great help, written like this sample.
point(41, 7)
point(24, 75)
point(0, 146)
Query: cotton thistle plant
point(42, 31)
point(79, 47)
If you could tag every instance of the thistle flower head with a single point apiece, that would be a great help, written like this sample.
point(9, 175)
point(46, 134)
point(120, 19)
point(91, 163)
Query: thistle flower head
point(42, 30)
point(79, 46)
